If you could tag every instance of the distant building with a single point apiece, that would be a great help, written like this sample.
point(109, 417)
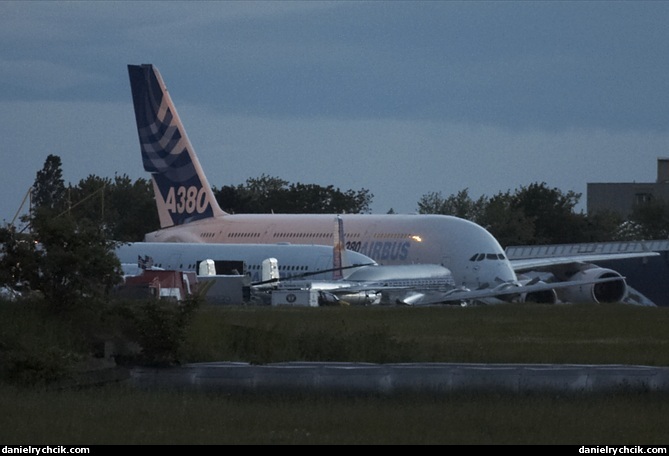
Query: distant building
point(622, 197)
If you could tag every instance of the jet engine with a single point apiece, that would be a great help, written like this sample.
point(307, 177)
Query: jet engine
point(613, 291)
point(361, 298)
point(540, 297)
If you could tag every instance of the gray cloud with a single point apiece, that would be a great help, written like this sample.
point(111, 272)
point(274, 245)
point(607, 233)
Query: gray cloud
point(402, 98)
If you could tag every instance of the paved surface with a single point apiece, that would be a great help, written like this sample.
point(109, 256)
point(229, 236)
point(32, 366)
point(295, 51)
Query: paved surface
point(363, 378)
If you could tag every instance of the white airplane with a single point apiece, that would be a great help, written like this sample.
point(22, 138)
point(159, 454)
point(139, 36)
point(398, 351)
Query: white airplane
point(370, 284)
point(296, 266)
point(188, 212)
point(411, 284)
point(291, 259)
point(338, 274)
point(332, 270)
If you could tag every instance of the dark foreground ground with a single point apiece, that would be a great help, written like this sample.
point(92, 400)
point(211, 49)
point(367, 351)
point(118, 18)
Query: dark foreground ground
point(118, 414)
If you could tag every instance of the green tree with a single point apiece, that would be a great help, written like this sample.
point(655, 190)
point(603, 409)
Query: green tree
point(602, 226)
point(257, 196)
point(232, 199)
point(552, 213)
point(536, 214)
point(18, 259)
point(431, 203)
point(49, 187)
point(77, 264)
point(651, 219)
point(263, 194)
point(315, 199)
point(131, 209)
point(68, 260)
point(507, 223)
point(87, 199)
point(460, 205)
point(125, 209)
point(268, 194)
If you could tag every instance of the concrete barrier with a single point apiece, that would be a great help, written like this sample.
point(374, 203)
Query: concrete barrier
point(366, 378)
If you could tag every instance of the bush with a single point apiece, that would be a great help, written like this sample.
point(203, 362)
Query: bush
point(37, 346)
point(157, 327)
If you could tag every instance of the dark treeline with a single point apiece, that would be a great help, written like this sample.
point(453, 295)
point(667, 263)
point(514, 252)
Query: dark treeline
point(268, 194)
point(538, 214)
point(535, 214)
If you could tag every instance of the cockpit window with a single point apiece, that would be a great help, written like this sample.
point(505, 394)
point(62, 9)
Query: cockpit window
point(489, 256)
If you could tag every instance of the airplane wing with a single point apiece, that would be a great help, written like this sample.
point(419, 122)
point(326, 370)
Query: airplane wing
point(545, 263)
point(546, 280)
point(509, 289)
point(415, 296)
point(561, 270)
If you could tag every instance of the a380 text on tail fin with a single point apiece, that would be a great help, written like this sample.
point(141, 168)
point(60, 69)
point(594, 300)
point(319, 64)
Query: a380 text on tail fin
point(182, 192)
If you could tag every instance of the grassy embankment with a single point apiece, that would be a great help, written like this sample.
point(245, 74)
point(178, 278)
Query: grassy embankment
point(597, 334)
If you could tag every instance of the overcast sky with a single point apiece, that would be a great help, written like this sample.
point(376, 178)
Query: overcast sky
point(400, 98)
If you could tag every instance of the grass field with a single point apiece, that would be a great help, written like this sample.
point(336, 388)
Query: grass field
point(527, 333)
point(117, 415)
point(591, 334)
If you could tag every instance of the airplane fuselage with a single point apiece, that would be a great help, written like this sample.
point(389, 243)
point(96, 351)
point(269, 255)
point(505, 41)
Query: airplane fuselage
point(293, 260)
point(472, 254)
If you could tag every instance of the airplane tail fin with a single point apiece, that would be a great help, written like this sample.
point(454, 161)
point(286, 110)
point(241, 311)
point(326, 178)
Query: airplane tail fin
point(182, 191)
point(339, 259)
